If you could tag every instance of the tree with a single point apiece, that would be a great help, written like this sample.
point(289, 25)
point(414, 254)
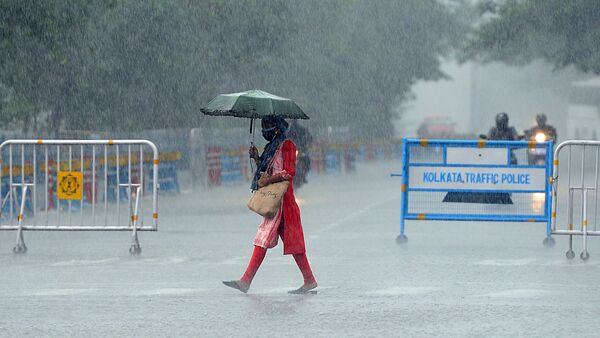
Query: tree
point(39, 57)
point(126, 64)
point(561, 32)
point(352, 62)
point(129, 65)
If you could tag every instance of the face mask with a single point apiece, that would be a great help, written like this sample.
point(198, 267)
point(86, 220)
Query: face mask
point(269, 133)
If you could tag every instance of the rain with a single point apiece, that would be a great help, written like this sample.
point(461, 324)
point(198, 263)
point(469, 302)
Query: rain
point(428, 138)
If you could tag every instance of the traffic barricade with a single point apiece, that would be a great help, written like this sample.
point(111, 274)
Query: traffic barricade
point(62, 164)
point(379, 150)
point(167, 172)
point(332, 161)
point(167, 177)
point(213, 161)
point(231, 172)
point(246, 164)
point(474, 180)
point(316, 158)
point(90, 186)
point(349, 158)
point(575, 180)
point(369, 152)
point(18, 195)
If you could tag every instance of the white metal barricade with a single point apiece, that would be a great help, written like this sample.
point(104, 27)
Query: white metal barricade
point(84, 186)
point(579, 187)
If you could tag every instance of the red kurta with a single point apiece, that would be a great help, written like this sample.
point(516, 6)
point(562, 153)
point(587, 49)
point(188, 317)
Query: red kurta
point(289, 213)
point(293, 235)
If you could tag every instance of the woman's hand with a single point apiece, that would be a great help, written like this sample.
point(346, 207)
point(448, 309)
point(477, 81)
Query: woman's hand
point(253, 153)
point(266, 180)
point(263, 181)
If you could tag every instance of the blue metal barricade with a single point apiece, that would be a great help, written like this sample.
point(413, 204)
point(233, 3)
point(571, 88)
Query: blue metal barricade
point(230, 169)
point(167, 179)
point(332, 162)
point(476, 180)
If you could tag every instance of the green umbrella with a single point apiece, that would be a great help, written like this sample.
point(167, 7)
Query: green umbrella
point(253, 104)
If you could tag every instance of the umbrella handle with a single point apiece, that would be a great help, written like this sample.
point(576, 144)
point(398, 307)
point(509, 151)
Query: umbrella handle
point(252, 131)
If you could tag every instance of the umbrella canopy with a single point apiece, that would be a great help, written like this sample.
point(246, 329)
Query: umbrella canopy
point(253, 104)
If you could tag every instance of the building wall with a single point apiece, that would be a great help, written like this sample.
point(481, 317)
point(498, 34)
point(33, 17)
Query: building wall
point(475, 93)
point(449, 97)
point(521, 92)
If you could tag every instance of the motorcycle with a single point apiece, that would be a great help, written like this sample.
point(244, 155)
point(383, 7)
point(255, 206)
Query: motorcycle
point(537, 156)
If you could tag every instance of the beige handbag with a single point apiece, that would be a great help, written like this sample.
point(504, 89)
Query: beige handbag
point(266, 201)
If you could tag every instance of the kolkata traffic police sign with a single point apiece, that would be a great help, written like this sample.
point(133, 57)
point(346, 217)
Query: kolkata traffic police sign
point(69, 186)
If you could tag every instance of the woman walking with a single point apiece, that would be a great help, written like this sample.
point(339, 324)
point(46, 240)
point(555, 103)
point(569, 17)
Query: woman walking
point(286, 223)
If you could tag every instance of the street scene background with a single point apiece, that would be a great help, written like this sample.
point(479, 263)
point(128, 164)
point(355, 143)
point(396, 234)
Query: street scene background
point(368, 74)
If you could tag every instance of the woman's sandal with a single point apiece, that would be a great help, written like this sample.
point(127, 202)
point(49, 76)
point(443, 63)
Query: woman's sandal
point(237, 284)
point(306, 288)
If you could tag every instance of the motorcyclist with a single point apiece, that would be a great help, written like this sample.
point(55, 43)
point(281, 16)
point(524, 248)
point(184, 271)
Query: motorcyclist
point(502, 131)
point(540, 133)
point(302, 139)
point(547, 130)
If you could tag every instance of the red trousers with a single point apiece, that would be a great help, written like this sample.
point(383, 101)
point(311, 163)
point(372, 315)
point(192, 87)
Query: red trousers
point(259, 254)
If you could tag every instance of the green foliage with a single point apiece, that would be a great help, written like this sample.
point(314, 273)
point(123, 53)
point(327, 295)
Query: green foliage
point(351, 62)
point(518, 31)
point(39, 59)
point(131, 65)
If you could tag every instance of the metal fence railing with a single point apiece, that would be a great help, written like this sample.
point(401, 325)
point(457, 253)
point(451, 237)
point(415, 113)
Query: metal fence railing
point(78, 185)
point(576, 181)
